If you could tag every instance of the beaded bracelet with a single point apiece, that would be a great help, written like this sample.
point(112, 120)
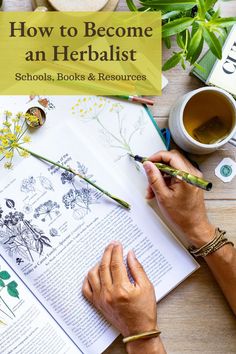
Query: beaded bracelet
point(218, 241)
point(145, 335)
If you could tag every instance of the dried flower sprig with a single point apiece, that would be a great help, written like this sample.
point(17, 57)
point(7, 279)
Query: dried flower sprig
point(13, 136)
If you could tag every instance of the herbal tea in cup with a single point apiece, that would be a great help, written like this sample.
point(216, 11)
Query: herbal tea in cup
point(203, 120)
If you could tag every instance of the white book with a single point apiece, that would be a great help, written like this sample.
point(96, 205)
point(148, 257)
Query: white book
point(223, 73)
point(65, 224)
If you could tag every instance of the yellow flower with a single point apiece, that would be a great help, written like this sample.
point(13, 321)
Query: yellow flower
point(1, 149)
point(18, 129)
point(11, 137)
point(8, 114)
point(7, 124)
point(26, 139)
point(8, 154)
point(5, 142)
point(24, 153)
point(8, 165)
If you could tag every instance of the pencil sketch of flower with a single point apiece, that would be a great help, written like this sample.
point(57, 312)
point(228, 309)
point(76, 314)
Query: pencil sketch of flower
point(20, 237)
point(45, 183)
point(8, 287)
point(90, 107)
point(121, 137)
point(28, 185)
point(47, 210)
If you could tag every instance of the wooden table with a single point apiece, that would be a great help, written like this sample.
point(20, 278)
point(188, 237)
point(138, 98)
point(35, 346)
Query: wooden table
point(195, 317)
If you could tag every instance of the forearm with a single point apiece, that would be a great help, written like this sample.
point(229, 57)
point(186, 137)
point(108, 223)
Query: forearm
point(223, 266)
point(146, 346)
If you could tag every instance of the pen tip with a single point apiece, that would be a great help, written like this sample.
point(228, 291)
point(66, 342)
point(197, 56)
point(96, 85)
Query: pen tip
point(131, 155)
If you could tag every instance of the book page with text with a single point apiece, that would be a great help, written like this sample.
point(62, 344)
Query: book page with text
point(25, 325)
point(62, 226)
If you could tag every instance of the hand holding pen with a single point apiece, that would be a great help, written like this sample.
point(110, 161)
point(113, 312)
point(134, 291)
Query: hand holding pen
point(180, 203)
point(179, 174)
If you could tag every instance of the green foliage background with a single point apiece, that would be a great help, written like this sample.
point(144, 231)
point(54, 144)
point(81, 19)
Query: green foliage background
point(193, 23)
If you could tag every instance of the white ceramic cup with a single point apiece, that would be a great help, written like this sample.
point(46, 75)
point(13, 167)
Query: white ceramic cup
point(180, 134)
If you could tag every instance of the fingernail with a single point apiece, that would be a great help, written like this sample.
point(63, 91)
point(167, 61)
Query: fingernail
point(132, 254)
point(147, 166)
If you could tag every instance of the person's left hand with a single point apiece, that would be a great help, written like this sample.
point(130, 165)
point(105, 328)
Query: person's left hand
point(131, 308)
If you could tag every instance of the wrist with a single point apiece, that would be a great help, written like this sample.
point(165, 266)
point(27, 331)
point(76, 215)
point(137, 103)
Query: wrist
point(146, 346)
point(201, 234)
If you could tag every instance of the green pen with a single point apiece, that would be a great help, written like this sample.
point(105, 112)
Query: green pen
point(181, 175)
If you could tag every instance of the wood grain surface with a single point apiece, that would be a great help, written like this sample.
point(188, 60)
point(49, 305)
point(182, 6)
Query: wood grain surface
point(195, 318)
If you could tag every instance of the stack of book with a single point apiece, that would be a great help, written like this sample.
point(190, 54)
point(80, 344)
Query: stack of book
point(220, 73)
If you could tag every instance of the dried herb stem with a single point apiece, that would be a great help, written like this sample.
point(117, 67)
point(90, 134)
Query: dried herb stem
point(116, 199)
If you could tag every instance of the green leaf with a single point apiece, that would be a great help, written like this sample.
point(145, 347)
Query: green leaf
point(194, 43)
point(213, 42)
point(2, 284)
point(4, 275)
point(209, 4)
point(11, 289)
point(197, 52)
point(223, 22)
point(176, 26)
point(201, 8)
point(170, 5)
point(179, 39)
point(215, 15)
point(173, 61)
point(170, 14)
point(131, 5)
point(167, 42)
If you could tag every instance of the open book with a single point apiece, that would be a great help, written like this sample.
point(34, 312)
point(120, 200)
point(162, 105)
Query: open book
point(54, 227)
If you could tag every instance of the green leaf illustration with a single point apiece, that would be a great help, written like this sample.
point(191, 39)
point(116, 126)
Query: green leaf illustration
point(11, 289)
point(176, 26)
point(4, 275)
point(2, 284)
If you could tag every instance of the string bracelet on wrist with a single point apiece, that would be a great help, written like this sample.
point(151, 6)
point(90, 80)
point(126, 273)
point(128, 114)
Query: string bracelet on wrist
point(218, 241)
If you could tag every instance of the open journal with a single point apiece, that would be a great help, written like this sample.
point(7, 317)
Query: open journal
point(54, 227)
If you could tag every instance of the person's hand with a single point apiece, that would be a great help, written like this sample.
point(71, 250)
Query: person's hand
point(181, 203)
point(131, 308)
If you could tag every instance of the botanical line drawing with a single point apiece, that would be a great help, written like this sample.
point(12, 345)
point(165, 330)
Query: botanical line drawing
point(91, 109)
point(79, 199)
point(47, 210)
point(19, 236)
point(28, 185)
point(45, 183)
point(9, 287)
point(53, 232)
